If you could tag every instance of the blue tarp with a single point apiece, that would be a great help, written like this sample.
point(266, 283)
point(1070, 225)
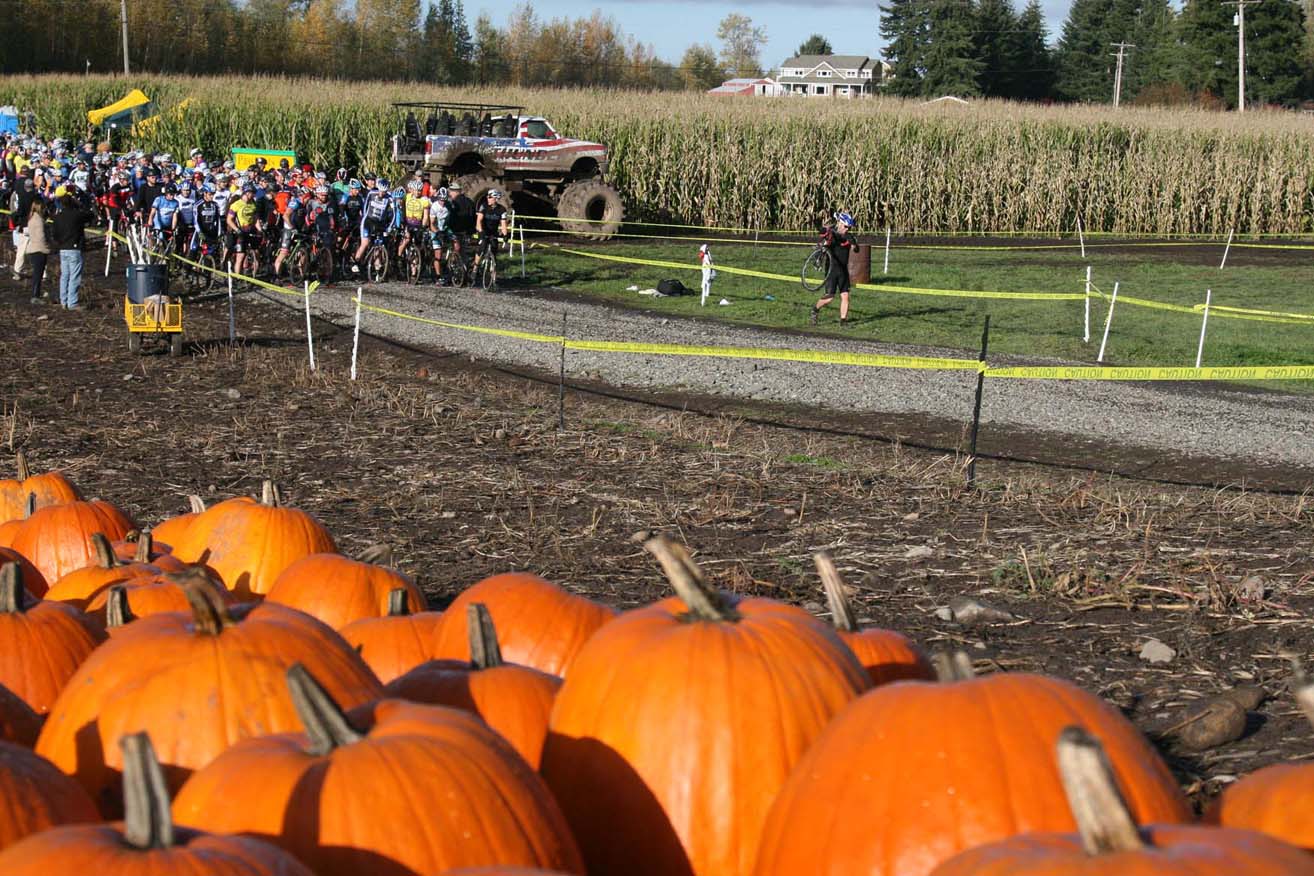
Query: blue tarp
point(8, 120)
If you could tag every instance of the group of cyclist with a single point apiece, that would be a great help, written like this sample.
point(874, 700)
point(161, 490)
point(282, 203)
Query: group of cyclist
point(191, 206)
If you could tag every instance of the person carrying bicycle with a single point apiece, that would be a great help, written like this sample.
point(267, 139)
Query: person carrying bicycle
point(491, 225)
point(838, 242)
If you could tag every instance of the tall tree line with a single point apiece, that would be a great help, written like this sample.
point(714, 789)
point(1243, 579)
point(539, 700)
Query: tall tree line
point(988, 48)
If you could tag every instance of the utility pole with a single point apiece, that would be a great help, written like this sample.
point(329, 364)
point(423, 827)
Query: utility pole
point(123, 15)
point(1117, 77)
point(1240, 22)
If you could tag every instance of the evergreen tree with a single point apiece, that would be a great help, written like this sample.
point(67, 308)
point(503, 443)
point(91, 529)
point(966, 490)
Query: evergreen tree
point(462, 42)
point(1083, 67)
point(994, 46)
point(906, 24)
point(951, 67)
point(815, 45)
point(1158, 61)
point(1275, 52)
point(1209, 49)
point(489, 64)
point(1032, 69)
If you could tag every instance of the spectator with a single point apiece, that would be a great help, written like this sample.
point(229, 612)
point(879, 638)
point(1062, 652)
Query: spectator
point(38, 250)
point(24, 195)
point(70, 229)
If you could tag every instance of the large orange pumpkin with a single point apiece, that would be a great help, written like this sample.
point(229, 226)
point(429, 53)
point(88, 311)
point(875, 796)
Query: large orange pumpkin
point(514, 700)
point(171, 531)
point(120, 604)
point(886, 655)
point(538, 623)
point(28, 575)
point(1278, 799)
point(398, 642)
point(198, 682)
point(147, 843)
point(80, 586)
point(142, 547)
point(249, 543)
point(936, 768)
point(57, 539)
point(339, 590)
point(395, 788)
point(9, 529)
point(42, 643)
point(49, 489)
point(679, 722)
point(19, 723)
point(1109, 843)
point(34, 796)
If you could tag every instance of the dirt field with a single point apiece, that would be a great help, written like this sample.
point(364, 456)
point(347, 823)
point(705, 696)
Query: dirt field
point(463, 469)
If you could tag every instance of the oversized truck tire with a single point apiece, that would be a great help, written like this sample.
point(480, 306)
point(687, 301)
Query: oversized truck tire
point(592, 209)
point(476, 186)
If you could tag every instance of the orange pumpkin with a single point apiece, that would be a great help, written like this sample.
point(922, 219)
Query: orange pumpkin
point(886, 655)
point(942, 767)
point(443, 791)
point(80, 586)
point(49, 489)
point(513, 700)
point(198, 682)
point(42, 643)
point(146, 843)
point(398, 642)
point(19, 724)
point(9, 529)
point(339, 590)
point(171, 531)
point(678, 723)
point(538, 624)
point(34, 796)
point(1109, 842)
point(1277, 799)
point(142, 547)
point(119, 604)
point(57, 539)
point(28, 575)
point(248, 544)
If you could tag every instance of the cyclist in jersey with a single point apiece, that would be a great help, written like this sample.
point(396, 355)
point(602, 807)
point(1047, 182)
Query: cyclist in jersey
point(350, 208)
point(186, 216)
point(209, 219)
point(163, 216)
point(415, 213)
point(491, 223)
point(243, 225)
point(294, 220)
point(376, 219)
point(321, 216)
point(439, 233)
point(838, 242)
point(340, 185)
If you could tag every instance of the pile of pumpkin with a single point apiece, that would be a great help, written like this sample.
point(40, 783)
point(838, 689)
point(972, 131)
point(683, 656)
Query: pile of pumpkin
point(226, 694)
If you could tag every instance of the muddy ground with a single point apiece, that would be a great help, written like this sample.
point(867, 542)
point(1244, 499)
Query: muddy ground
point(463, 469)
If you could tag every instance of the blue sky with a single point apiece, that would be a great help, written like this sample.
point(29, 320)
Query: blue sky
point(850, 25)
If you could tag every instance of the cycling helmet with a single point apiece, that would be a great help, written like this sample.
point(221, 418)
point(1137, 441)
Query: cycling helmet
point(171, 190)
point(195, 152)
point(248, 189)
point(228, 165)
point(495, 194)
point(283, 163)
point(369, 176)
point(846, 218)
point(414, 185)
point(354, 184)
point(381, 184)
point(321, 191)
point(207, 189)
point(399, 194)
point(442, 194)
point(341, 174)
point(294, 203)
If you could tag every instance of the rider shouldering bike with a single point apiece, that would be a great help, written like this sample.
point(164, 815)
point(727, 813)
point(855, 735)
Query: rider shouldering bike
point(838, 241)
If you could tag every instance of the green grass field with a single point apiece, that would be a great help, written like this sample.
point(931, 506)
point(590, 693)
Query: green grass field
point(1259, 279)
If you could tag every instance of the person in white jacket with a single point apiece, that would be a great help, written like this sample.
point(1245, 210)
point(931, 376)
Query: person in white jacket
point(709, 273)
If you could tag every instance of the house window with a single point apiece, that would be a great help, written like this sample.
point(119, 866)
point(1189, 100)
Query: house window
point(819, 89)
point(866, 74)
point(823, 73)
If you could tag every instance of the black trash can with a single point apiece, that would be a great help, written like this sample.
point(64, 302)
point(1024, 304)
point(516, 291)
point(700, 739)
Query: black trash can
point(147, 280)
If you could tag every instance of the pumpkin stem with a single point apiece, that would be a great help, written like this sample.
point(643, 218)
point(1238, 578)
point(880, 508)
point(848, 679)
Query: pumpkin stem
point(269, 494)
point(377, 555)
point(145, 544)
point(13, 596)
point(484, 650)
point(147, 823)
point(20, 462)
point(1103, 818)
point(703, 601)
point(841, 612)
point(117, 610)
point(325, 722)
point(197, 504)
point(955, 666)
point(398, 603)
point(210, 616)
point(31, 506)
point(105, 558)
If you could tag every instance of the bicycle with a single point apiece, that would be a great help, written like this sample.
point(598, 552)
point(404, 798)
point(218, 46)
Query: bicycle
point(815, 268)
point(201, 276)
point(377, 260)
point(310, 259)
point(488, 263)
point(412, 258)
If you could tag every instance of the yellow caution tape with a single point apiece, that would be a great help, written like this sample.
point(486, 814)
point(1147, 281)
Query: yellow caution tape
point(483, 330)
point(1086, 372)
point(869, 360)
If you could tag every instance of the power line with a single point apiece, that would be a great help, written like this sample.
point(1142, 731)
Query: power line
point(1117, 78)
point(1240, 50)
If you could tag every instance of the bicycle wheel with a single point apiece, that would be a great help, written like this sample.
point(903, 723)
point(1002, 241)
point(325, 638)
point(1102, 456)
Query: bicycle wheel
point(815, 269)
point(322, 265)
point(488, 273)
point(207, 271)
point(456, 268)
point(376, 264)
point(414, 263)
point(298, 262)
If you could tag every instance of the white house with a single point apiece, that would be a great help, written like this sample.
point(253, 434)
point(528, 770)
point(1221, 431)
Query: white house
point(748, 87)
point(832, 75)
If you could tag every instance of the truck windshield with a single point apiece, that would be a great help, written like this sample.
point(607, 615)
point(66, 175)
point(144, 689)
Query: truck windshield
point(537, 129)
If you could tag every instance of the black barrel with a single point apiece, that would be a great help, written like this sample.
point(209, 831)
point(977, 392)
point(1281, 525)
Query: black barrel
point(147, 280)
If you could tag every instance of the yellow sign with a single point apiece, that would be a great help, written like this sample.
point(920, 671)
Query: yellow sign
point(244, 158)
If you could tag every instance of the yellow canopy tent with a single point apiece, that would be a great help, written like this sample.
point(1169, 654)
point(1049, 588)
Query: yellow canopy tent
point(134, 106)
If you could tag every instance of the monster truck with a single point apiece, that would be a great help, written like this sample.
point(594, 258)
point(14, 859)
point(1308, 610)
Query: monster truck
point(486, 146)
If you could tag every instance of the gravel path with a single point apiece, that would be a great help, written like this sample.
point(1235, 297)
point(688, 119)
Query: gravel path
point(1212, 420)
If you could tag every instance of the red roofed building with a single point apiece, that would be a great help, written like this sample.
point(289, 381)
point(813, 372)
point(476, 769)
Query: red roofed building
point(748, 87)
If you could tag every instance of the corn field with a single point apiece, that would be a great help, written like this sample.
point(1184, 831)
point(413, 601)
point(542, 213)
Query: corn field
point(763, 163)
